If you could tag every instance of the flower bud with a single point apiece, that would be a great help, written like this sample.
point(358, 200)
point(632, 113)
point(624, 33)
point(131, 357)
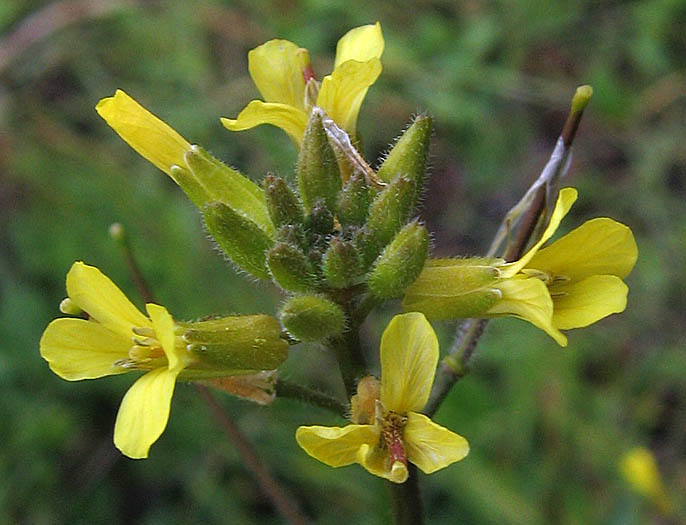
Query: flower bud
point(400, 263)
point(241, 239)
point(408, 156)
point(312, 317)
point(387, 214)
point(317, 168)
point(320, 219)
point(226, 185)
point(341, 263)
point(290, 268)
point(353, 201)
point(282, 202)
point(454, 288)
point(246, 342)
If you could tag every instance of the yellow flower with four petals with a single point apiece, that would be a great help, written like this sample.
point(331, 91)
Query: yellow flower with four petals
point(384, 438)
point(283, 74)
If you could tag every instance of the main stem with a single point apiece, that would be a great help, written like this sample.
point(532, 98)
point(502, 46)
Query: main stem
point(406, 500)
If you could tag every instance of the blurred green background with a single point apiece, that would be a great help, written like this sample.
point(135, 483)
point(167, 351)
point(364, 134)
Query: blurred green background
point(546, 425)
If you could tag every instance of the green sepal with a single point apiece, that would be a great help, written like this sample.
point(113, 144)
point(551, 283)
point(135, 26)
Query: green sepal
point(388, 213)
point(290, 269)
point(408, 156)
point(247, 342)
point(454, 288)
point(243, 241)
point(312, 318)
point(317, 168)
point(226, 185)
point(400, 263)
point(353, 201)
point(341, 263)
point(282, 202)
point(190, 186)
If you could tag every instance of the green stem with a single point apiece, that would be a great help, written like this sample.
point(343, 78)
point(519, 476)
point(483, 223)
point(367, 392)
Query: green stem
point(406, 500)
point(307, 395)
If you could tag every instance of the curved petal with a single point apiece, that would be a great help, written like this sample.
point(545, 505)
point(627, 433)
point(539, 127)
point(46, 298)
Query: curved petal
point(409, 355)
point(361, 43)
point(78, 349)
point(148, 135)
point(144, 413)
point(163, 324)
point(588, 301)
point(564, 202)
point(430, 446)
point(530, 300)
point(276, 67)
point(290, 119)
point(96, 294)
point(377, 461)
point(598, 247)
point(343, 91)
point(336, 446)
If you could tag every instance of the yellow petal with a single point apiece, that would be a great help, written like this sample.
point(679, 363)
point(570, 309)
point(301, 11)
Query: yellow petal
point(79, 349)
point(290, 119)
point(564, 202)
point(96, 294)
point(143, 131)
point(144, 413)
point(530, 300)
point(377, 461)
point(276, 67)
point(588, 301)
point(361, 43)
point(409, 355)
point(163, 324)
point(342, 92)
point(598, 247)
point(430, 446)
point(336, 446)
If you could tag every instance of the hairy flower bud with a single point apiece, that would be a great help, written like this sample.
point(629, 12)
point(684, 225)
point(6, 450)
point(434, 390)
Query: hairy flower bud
point(282, 202)
point(290, 268)
point(341, 263)
point(401, 262)
point(312, 317)
point(353, 201)
point(241, 239)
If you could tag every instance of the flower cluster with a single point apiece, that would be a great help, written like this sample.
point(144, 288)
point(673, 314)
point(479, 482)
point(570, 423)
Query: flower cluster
point(341, 240)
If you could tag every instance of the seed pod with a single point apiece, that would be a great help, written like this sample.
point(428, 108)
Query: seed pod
point(317, 167)
point(341, 263)
point(290, 268)
point(312, 317)
point(400, 263)
point(239, 238)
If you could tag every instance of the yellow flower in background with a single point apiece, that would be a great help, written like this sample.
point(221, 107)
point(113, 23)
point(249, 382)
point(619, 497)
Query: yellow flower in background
point(573, 282)
point(283, 74)
point(639, 469)
point(118, 338)
point(384, 438)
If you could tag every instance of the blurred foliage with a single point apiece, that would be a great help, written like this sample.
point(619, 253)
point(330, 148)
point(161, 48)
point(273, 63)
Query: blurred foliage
point(546, 425)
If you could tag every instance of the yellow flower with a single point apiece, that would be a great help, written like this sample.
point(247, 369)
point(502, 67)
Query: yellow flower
point(384, 438)
point(639, 468)
point(573, 282)
point(283, 75)
point(118, 338)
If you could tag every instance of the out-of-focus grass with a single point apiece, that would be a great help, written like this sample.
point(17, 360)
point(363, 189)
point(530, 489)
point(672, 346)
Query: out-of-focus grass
point(546, 425)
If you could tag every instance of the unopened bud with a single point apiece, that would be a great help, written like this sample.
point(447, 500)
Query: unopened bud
point(242, 240)
point(353, 201)
point(245, 342)
point(312, 317)
point(400, 263)
point(408, 156)
point(290, 269)
point(341, 263)
point(320, 219)
point(282, 202)
point(317, 168)
point(454, 288)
